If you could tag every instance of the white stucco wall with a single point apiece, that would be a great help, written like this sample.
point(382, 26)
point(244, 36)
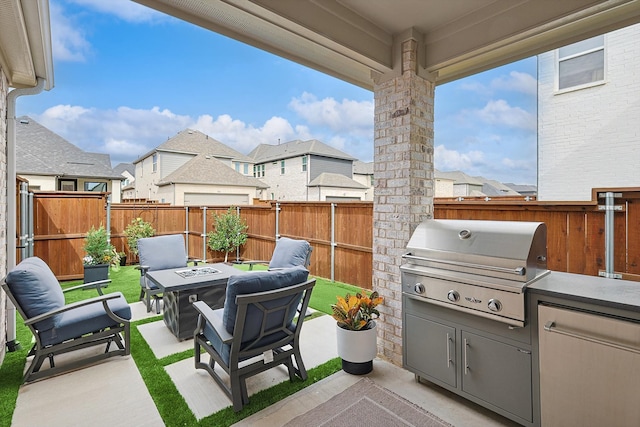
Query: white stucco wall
point(365, 180)
point(590, 138)
point(174, 194)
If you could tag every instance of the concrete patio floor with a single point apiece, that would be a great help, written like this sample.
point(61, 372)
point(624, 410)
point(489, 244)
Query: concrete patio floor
point(113, 392)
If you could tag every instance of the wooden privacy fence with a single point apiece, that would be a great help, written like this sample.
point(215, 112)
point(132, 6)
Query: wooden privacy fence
point(340, 233)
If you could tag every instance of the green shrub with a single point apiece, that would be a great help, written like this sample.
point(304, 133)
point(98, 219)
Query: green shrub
point(229, 234)
point(137, 229)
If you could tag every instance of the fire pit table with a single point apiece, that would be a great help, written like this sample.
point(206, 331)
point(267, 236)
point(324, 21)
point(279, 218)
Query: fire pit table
point(183, 286)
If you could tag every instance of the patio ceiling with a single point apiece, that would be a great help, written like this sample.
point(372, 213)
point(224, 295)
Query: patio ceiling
point(25, 42)
point(357, 40)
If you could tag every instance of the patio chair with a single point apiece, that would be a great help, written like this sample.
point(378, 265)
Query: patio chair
point(58, 328)
point(256, 323)
point(159, 253)
point(288, 253)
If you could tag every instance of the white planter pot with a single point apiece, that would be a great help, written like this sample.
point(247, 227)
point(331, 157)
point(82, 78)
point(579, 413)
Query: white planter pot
point(357, 346)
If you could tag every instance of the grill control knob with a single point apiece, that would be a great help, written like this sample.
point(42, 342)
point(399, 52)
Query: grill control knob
point(495, 305)
point(419, 288)
point(453, 296)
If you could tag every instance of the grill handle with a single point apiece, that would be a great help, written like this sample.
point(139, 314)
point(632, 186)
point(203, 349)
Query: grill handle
point(518, 271)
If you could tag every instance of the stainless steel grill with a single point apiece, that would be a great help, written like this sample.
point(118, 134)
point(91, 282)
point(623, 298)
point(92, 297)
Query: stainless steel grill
point(480, 267)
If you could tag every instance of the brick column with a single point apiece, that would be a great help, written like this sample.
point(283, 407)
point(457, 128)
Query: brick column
point(403, 193)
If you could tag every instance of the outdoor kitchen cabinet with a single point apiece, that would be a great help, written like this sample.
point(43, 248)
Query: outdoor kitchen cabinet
point(482, 360)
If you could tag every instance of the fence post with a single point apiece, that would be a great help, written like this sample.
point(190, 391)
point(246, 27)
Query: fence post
point(186, 228)
point(30, 232)
point(333, 241)
point(24, 226)
point(609, 234)
point(204, 233)
point(277, 221)
point(108, 218)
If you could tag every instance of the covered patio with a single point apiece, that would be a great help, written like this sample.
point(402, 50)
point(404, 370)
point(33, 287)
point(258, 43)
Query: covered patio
point(400, 50)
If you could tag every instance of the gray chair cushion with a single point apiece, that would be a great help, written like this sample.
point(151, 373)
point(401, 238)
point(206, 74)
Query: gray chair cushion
point(36, 289)
point(289, 253)
point(258, 281)
point(83, 320)
point(162, 252)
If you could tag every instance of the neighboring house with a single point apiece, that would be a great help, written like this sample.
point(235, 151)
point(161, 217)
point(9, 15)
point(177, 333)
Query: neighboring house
point(493, 188)
point(127, 187)
point(588, 116)
point(51, 163)
point(193, 169)
point(293, 172)
point(443, 184)
point(523, 189)
point(463, 184)
point(363, 173)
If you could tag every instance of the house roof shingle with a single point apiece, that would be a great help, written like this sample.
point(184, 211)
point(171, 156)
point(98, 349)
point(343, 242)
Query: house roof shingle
point(39, 151)
point(327, 179)
point(195, 142)
point(267, 153)
point(206, 169)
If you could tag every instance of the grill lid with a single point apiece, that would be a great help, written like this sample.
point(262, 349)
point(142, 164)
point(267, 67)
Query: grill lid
point(514, 250)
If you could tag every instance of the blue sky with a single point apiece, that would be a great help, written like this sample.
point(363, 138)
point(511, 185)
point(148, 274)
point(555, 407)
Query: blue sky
point(128, 78)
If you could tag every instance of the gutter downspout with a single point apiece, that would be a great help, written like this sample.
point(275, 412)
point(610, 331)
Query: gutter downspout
point(12, 345)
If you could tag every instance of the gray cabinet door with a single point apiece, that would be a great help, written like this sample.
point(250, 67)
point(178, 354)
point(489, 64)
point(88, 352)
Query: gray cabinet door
point(432, 350)
point(497, 373)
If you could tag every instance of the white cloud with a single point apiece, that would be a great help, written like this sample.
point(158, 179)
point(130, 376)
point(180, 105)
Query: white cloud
point(345, 117)
point(127, 133)
point(126, 10)
point(68, 43)
point(450, 160)
point(499, 112)
point(516, 82)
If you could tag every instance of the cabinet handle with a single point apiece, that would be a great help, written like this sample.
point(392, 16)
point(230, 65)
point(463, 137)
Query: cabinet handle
point(466, 363)
point(550, 326)
point(448, 350)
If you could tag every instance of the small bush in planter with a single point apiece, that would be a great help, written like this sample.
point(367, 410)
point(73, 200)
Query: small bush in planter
point(229, 234)
point(98, 249)
point(137, 229)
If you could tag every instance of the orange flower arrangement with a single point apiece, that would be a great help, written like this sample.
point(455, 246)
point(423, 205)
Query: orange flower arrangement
point(355, 312)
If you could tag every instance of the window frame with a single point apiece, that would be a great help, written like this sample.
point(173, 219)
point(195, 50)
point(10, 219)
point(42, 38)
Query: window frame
point(154, 163)
point(559, 60)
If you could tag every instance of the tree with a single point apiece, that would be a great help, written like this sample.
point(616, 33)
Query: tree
point(230, 232)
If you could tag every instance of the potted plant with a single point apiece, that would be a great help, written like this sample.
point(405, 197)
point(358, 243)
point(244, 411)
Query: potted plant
point(229, 234)
point(101, 254)
point(137, 229)
point(356, 331)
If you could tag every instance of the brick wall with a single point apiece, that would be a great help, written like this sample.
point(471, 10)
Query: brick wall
point(3, 208)
point(403, 194)
point(590, 138)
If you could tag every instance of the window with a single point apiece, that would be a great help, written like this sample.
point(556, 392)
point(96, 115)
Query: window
point(155, 163)
point(581, 63)
point(246, 168)
point(237, 164)
point(98, 187)
point(67, 185)
point(304, 164)
point(281, 167)
point(258, 171)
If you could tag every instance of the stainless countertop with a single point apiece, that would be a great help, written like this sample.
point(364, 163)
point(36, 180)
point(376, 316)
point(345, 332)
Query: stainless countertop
point(622, 294)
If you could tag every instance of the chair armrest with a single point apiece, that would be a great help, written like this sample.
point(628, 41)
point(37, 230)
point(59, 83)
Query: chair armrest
point(72, 306)
point(143, 269)
point(252, 263)
point(97, 285)
point(195, 261)
point(214, 318)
